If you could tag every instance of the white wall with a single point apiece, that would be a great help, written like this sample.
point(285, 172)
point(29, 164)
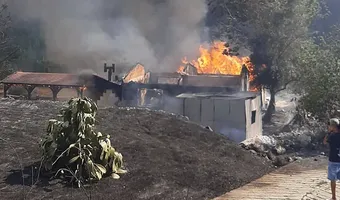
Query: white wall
point(231, 121)
point(208, 112)
point(225, 116)
point(192, 109)
point(173, 105)
point(254, 129)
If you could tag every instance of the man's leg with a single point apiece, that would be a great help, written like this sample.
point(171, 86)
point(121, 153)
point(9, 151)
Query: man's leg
point(333, 187)
point(332, 176)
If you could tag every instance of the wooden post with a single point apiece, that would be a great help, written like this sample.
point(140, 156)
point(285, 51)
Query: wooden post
point(55, 90)
point(29, 89)
point(6, 87)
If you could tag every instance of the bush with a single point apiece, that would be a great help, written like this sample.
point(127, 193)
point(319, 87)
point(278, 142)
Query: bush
point(17, 90)
point(71, 145)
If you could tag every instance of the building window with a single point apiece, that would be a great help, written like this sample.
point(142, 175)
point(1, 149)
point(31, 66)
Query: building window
point(253, 116)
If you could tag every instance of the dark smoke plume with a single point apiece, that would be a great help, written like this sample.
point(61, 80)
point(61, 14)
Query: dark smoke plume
point(83, 34)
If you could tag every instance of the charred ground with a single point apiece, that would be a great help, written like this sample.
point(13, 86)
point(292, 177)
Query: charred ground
point(167, 157)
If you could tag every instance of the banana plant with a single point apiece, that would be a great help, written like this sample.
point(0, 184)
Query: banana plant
point(71, 143)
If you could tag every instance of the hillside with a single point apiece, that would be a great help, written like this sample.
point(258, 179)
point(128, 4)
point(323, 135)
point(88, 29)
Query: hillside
point(167, 157)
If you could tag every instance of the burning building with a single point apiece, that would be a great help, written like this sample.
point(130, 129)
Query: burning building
point(213, 90)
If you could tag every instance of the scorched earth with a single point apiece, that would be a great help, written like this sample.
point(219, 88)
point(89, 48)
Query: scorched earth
point(166, 156)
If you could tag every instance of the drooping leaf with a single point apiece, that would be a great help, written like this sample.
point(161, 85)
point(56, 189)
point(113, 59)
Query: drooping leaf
point(115, 176)
point(121, 171)
point(74, 159)
point(101, 168)
point(73, 144)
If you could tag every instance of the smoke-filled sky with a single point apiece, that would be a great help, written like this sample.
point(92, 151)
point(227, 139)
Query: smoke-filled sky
point(86, 33)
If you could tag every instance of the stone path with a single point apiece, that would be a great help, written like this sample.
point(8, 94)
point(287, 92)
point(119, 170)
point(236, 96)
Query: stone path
point(301, 180)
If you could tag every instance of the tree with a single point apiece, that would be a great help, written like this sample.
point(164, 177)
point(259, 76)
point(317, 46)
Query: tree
point(28, 36)
point(319, 75)
point(279, 28)
point(72, 145)
point(227, 20)
point(8, 50)
point(272, 29)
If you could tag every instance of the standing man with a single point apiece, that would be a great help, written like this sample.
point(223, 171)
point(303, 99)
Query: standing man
point(333, 139)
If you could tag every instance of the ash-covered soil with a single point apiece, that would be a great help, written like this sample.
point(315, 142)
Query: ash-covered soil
point(167, 158)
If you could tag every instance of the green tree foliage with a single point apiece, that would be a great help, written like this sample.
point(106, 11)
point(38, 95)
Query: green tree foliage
point(319, 75)
point(280, 28)
point(72, 145)
point(8, 50)
point(272, 29)
point(29, 38)
point(228, 19)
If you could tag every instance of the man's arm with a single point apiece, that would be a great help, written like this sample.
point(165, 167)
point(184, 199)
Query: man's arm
point(325, 139)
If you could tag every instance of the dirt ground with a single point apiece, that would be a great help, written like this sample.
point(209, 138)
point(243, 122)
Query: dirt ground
point(285, 111)
point(167, 158)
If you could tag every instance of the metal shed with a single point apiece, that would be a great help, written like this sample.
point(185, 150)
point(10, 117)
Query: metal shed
point(237, 116)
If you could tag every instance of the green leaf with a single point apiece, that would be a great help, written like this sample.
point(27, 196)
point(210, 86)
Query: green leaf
point(107, 155)
point(102, 155)
point(74, 144)
point(121, 171)
point(101, 168)
point(115, 176)
point(70, 147)
point(74, 159)
point(104, 145)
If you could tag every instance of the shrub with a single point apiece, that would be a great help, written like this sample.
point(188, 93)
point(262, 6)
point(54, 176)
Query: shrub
point(17, 90)
point(72, 145)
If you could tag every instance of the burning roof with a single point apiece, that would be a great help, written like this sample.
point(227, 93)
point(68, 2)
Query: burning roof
point(212, 80)
point(136, 74)
point(218, 59)
point(217, 66)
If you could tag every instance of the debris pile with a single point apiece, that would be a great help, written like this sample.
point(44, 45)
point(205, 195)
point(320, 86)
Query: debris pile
point(286, 147)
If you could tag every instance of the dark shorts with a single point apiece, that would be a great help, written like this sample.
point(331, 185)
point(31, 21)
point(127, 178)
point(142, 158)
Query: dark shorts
point(333, 171)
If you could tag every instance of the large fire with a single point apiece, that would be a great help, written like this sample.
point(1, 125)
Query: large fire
point(217, 60)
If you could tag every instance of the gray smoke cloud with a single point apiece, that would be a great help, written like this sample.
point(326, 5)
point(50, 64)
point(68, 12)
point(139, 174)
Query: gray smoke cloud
point(83, 34)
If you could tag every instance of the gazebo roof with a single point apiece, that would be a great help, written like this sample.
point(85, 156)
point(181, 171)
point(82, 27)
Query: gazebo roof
point(32, 78)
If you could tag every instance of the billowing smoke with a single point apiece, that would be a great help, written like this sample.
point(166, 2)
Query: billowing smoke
point(83, 34)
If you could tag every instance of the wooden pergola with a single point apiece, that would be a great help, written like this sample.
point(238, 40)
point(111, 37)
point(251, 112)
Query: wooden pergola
point(54, 81)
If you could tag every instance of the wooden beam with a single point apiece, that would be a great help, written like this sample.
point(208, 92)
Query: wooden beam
point(29, 89)
point(6, 87)
point(55, 90)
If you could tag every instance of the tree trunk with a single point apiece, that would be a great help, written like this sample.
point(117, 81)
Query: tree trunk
point(271, 107)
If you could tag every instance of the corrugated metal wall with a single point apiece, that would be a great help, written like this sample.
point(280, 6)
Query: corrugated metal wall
point(226, 116)
point(230, 117)
point(253, 105)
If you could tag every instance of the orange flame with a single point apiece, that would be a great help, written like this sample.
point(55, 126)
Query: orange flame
point(137, 74)
point(216, 60)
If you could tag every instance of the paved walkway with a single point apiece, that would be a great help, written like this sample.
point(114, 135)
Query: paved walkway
point(301, 180)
